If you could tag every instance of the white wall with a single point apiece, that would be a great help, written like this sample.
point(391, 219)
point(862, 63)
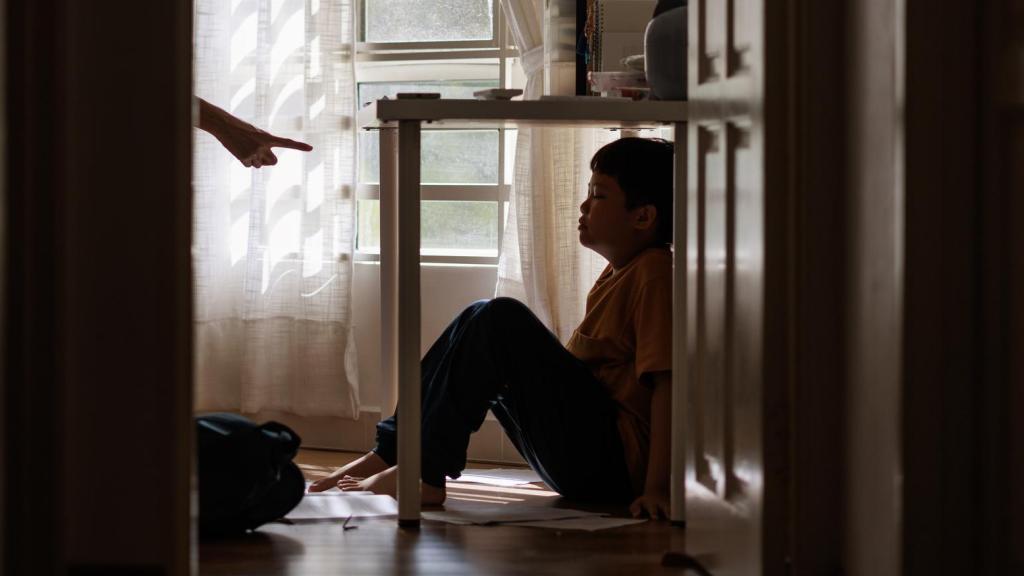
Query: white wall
point(446, 289)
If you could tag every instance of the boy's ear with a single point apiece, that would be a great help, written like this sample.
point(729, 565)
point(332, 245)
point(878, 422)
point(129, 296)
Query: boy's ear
point(644, 216)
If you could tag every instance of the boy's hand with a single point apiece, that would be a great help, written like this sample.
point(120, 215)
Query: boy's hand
point(654, 505)
point(654, 502)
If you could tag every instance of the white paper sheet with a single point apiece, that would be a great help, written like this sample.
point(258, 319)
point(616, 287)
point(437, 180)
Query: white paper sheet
point(589, 523)
point(335, 505)
point(481, 514)
point(504, 477)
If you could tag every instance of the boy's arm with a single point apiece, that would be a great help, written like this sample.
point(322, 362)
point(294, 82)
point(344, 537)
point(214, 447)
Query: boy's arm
point(654, 501)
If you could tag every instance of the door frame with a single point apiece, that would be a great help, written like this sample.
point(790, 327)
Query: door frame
point(97, 366)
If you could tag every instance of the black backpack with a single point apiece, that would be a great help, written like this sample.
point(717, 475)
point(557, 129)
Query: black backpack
point(246, 474)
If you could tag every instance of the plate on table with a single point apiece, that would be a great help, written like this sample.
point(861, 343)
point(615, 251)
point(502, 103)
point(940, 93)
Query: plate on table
point(497, 93)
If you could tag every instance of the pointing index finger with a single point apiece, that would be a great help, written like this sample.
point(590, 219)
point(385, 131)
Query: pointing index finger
point(289, 143)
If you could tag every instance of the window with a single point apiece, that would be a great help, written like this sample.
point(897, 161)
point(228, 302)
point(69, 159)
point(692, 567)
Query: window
point(454, 47)
point(428, 20)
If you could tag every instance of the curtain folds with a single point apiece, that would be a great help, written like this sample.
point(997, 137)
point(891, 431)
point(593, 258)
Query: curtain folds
point(272, 247)
point(542, 263)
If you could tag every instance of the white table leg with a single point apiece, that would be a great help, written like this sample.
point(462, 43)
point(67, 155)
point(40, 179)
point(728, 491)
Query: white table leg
point(388, 270)
point(680, 368)
point(408, 295)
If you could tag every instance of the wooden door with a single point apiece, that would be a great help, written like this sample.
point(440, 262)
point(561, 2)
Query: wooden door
point(97, 302)
point(726, 289)
point(766, 278)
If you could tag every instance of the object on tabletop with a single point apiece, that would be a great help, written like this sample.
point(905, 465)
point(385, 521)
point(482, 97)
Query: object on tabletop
point(560, 47)
point(631, 85)
point(614, 31)
point(497, 94)
point(665, 52)
point(635, 63)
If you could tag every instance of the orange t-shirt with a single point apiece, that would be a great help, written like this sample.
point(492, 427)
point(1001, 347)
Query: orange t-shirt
point(625, 336)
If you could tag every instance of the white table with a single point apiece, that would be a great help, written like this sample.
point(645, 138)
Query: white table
point(400, 123)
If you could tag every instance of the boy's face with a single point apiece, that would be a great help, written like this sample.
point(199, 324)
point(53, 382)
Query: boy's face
point(606, 226)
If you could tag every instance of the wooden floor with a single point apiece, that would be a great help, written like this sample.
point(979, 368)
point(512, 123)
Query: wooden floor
point(379, 547)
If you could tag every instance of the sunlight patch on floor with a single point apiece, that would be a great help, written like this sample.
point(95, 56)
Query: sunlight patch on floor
point(456, 489)
point(524, 490)
point(482, 498)
point(314, 472)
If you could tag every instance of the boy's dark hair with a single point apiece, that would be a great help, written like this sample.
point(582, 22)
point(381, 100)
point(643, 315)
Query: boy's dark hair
point(643, 168)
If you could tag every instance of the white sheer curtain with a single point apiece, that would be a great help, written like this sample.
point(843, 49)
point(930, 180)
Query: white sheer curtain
point(542, 263)
point(273, 247)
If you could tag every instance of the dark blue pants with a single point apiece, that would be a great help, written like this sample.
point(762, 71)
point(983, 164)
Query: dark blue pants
point(496, 355)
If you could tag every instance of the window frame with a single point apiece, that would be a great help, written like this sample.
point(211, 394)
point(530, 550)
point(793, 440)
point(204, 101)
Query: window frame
point(379, 62)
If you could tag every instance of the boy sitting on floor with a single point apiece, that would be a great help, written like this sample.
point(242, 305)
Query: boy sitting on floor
point(591, 418)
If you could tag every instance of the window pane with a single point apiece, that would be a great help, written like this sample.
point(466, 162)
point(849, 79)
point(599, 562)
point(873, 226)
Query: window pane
point(459, 228)
point(446, 157)
point(427, 20)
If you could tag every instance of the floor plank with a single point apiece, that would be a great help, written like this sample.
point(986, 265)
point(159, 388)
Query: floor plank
point(380, 547)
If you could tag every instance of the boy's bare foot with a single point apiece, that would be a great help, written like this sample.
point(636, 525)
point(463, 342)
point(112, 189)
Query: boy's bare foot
point(386, 483)
point(366, 465)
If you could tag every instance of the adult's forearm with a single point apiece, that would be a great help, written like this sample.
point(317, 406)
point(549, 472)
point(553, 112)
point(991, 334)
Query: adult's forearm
point(209, 117)
point(249, 144)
